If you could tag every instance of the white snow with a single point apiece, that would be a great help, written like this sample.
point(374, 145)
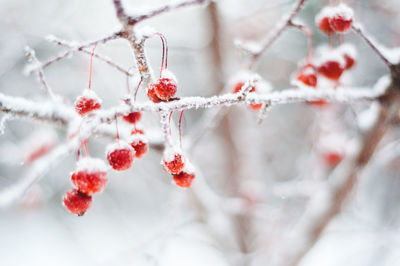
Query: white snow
point(91, 165)
point(135, 138)
point(169, 75)
point(324, 13)
point(170, 152)
point(90, 94)
point(118, 146)
point(342, 10)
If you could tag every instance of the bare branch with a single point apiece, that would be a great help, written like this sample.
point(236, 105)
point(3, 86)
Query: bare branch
point(33, 59)
point(87, 51)
point(161, 10)
point(372, 43)
point(55, 113)
point(274, 34)
point(72, 51)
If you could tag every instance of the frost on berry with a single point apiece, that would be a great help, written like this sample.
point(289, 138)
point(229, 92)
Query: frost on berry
point(151, 93)
point(341, 18)
point(139, 143)
point(307, 75)
point(90, 175)
point(322, 20)
point(330, 63)
point(137, 131)
point(87, 102)
point(132, 117)
point(173, 160)
point(185, 177)
point(120, 155)
point(77, 202)
point(349, 54)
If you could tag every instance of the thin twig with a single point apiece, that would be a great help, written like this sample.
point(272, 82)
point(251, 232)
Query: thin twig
point(161, 10)
point(87, 51)
point(32, 57)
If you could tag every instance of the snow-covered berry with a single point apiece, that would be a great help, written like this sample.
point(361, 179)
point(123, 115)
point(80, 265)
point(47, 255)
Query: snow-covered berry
point(120, 155)
point(322, 20)
point(151, 93)
point(331, 69)
point(173, 160)
point(307, 75)
point(341, 18)
point(137, 131)
point(90, 175)
point(139, 143)
point(349, 54)
point(87, 102)
point(185, 177)
point(330, 63)
point(77, 202)
point(132, 117)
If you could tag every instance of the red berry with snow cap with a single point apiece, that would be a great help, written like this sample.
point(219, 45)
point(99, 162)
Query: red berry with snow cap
point(331, 69)
point(185, 178)
point(332, 158)
point(87, 102)
point(77, 202)
point(140, 144)
point(137, 131)
point(90, 175)
point(349, 54)
point(341, 18)
point(330, 63)
point(120, 155)
point(322, 20)
point(151, 93)
point(307, 75)
point(132, 117)
point(173, 160)
point(164, 89)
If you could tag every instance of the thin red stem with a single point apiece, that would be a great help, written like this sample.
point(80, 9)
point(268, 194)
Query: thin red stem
point(90, 68)
point(85, 148)
point(137, 89)
point(180, 128)
point(164, 59)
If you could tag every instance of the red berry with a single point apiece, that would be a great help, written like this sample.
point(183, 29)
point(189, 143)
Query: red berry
point(120, 156)
point(332, 158)
point(322, 20)
point(165, 88)
point(87, 102)
point(350, 61)
point(184, 179)
point(331, 69)
point(308, 76)
point(132, 117)
point(137, 131)
point(90, 176)
point(77, 202)
point(239, 86)
point(151, 93)
point(139, 143)
point(324, 26)
point(318, 103)
point(341, 18)
point(173, 161)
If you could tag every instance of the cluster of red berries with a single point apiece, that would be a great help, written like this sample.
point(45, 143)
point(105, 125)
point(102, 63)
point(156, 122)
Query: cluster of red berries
point(121, 154)
point(176, 164)
point(89, 177)
point(336, 19)
point(329, 63)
